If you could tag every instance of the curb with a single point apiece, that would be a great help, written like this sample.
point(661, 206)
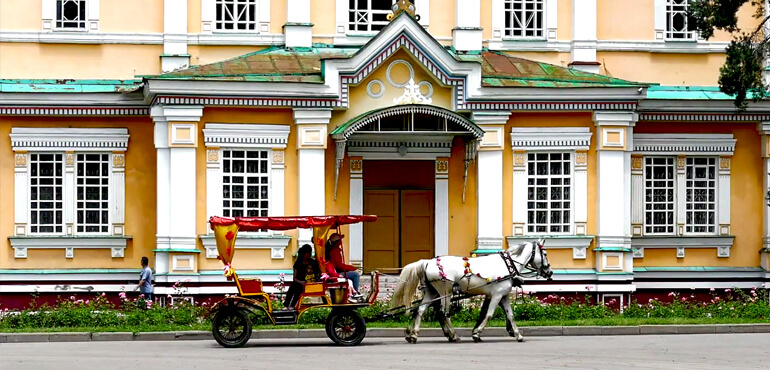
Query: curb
point(529, 331)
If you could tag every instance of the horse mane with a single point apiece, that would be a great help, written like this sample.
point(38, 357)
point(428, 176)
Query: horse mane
point(518, 249)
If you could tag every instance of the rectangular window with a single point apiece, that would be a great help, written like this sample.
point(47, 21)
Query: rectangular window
point(677, 27)
point(236, 15)
point(245, 183)
point(700, 195)
point(659, 189)
point(369, 15)
point(549, 185)
point(93, 192)
point(71, 14)
point(525, 19)
point(46, 190)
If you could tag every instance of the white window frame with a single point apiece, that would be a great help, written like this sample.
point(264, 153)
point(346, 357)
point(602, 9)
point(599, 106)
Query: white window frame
point(342, 15)
point(209, 18)
point(574, 140)
point(109, 196)
point(69, 142)
point(645, 170)
point(50, 20)
point(550, 22)
point(245, 184)
point(509, 15)
point(571, 163)
point(662, 21)
point(681, 146)
point(670, 13)
point(65, 196)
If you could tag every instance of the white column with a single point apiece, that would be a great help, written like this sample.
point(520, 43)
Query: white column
point(356, 208)
point(660, 19)
point(311, 143)
point(213, 184)
point(21, 193)
point(519, 196)
point(581, 192)
point(764, 130)
point(298, 30)
point(584, 36)
point(278, 183)
point(681, 195)
point(489, 179)
point(724, 195)
point(552, 18)
point(176, 142)
point(441, 205)
point(614, 143)
point(174, 36)
point(118, 193)
point(69, 193)
point(466, 36)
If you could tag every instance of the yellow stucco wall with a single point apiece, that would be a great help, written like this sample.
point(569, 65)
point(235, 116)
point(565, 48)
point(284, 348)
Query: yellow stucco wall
point(249, 259)
point(462, 216)
point(564, 21)
point(323, 18)
point(140, 196)
point(442, 18)
point(611, 25)
point(746, 198)
point(558, 258)
point(61, 61)
point(140, 16)
point(666, 69)
point(21, 15)
point(193, 16)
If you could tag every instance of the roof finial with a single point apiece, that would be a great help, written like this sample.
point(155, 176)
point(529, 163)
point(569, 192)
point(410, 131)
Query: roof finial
point(403, 6)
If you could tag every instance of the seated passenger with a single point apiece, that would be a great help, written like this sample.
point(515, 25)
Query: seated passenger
point(334, 256)
point(306, 270)
point(352, 293)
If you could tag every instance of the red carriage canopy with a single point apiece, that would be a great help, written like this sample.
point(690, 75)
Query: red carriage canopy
point(288, 223)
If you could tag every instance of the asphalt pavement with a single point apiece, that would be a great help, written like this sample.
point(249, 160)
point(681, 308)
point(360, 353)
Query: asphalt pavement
point(694, 351)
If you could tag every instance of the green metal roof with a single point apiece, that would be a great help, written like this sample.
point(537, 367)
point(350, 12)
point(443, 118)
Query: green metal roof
point(687, 93)
point(278, 64)
point(67, 86)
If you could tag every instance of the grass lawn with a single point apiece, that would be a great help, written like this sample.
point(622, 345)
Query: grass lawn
point(493, 323)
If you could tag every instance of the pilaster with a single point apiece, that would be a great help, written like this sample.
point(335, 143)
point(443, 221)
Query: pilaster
point(175, 55)
point(614, 214)
point(298, 31)
point(764, 131)
point(583, 49)
point(312, 137)
point(442, 207)
point(356, 231)
point(176, 133)
point(489, 179)
point(467, 35)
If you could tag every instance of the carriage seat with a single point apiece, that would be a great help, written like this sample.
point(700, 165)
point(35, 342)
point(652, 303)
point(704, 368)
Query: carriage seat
point(249, 286)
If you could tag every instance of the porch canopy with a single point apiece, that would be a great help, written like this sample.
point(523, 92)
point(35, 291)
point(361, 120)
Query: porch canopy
point(409, 131)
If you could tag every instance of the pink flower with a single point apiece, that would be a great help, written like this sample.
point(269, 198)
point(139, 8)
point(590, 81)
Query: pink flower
point(72, 297)
point(716, 299)
point(104, 294)
point(684, 299)
point(728, 290)
point(712, 289)
point(281, 274)
point(122, 295)
point(671, 294)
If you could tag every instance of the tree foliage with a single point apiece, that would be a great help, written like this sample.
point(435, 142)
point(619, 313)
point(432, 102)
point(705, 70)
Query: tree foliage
point(742, 73)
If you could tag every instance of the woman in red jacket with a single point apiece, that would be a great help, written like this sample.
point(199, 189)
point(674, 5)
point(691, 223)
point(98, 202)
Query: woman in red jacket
point(334, 257)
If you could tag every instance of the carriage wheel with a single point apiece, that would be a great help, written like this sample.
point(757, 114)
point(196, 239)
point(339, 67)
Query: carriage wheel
point(231, 328)
point(346, 327)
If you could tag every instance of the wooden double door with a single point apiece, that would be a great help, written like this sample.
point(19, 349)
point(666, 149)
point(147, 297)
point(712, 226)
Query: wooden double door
point(404, 231)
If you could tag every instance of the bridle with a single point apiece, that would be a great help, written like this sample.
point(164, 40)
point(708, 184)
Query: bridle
point(531, 269)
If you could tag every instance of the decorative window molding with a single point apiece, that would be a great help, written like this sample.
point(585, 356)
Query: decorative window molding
point(671, 21)
point(277, 244)
point(183, 263)
point(701, 165)
point(21, 244)
point(684, 144)
point(70, 15)
point(578, 244)
point(237, 16)
point(533, 140)
point(69, 154)
point(535, 20)
point(272, 139)
point(69, 139)
point(722, 244)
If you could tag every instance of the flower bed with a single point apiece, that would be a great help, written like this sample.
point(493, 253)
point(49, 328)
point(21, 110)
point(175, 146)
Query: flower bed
point(100, 312)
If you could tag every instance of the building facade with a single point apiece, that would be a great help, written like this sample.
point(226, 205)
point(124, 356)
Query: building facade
point(464, 125)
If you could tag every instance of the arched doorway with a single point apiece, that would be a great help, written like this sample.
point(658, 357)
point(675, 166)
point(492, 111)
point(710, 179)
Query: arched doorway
point(399, 170)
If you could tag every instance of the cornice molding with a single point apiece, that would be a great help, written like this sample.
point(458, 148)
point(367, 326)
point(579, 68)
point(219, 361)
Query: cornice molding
point(719, 144)
point(246, 135)
point(63, 138)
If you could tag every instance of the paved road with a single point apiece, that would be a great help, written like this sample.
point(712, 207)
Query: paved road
point(703, 351)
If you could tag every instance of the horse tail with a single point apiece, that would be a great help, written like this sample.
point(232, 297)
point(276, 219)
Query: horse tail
point(407, 285)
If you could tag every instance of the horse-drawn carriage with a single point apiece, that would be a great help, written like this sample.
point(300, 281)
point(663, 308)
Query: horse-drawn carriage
point(231, 323)
point(441, 280)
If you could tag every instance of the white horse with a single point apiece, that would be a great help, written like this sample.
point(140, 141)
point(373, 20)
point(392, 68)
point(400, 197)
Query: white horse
point(492, 275)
